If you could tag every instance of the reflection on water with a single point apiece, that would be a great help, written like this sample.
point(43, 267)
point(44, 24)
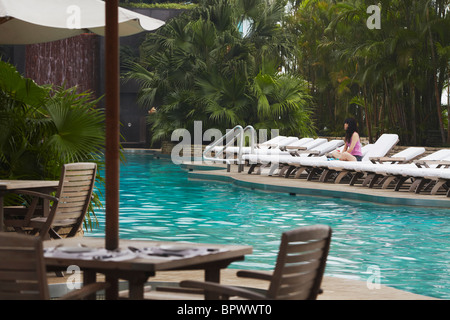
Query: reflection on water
point(409, 246)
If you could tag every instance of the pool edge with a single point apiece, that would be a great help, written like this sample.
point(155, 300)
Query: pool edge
point(195, 172)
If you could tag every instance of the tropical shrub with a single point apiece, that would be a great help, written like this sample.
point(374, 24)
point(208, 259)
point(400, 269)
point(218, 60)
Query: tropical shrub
point(390, 78)
point(205, 66)
point(42, 128)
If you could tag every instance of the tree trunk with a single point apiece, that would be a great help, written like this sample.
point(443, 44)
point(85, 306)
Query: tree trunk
point(448, 108)
point(435, 80)
point(368, 124)
point(413, 115)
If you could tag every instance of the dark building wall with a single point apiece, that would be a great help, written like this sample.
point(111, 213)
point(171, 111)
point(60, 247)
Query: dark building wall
point(133, 117)
point(69, 62)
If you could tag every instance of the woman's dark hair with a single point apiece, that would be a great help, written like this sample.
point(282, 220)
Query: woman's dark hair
point(352, 127)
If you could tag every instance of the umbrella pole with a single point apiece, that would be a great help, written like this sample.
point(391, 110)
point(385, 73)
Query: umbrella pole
point(112, 138)
point(112, 161)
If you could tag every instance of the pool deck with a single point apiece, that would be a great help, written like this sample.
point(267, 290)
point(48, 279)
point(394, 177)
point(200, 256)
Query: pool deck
point(302, 187)
point(333, 288)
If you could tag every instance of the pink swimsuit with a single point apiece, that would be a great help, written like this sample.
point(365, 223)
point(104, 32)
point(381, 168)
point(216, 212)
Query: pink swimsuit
point(356, 150)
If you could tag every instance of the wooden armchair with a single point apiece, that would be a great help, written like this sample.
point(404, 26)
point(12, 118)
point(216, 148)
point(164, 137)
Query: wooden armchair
point(298, 272)
point(23, 274)
point(69, 205)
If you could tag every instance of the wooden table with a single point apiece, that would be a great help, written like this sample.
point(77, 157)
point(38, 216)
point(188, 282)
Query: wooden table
point(136, 271)
point(43, 186)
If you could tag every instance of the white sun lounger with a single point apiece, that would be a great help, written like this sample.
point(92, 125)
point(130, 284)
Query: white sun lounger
point(326, 168)
point(316, 153)
point(312, 165)
point(311, 156)
point(424, 178)
point(269, 148)
point(371, 170)
point(262, 160)
point(419, 171)
point(380, 148)
point(303, 144)
point(283, 149)
point(264, 145)
point(440, 177)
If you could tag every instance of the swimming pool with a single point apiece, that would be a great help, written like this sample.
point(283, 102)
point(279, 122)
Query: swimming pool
point(408, 246)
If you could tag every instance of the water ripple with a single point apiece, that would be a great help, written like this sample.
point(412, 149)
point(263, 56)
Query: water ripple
point(408, 245)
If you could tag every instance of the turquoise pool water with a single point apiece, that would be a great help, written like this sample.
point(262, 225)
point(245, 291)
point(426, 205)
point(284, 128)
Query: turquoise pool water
point(407, 247)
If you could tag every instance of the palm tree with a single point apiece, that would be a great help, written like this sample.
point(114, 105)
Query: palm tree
point(389, 78)
point(200, 66)
point(41, 128)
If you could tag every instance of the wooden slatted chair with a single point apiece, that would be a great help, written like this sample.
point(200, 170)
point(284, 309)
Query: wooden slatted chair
point(298, 272)
point(69, 205)
point(23, 274)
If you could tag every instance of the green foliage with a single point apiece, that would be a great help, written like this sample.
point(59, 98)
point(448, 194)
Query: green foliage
point(200, 66)
point(42, 128)
point(170, 4)
point(397, 72)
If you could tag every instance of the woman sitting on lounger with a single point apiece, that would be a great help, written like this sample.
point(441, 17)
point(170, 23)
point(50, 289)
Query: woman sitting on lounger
point(352, 148)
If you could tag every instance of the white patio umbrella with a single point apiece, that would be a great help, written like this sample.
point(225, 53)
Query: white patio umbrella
point(37, 21)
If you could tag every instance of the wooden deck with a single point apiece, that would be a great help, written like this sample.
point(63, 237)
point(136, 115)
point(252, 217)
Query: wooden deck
point(316, 188)
point(333, 288)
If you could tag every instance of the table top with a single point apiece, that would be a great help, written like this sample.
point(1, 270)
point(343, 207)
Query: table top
point(212, 254)
point(27, 184)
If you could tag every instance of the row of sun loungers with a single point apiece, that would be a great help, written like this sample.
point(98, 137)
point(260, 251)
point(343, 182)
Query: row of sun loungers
point(309, 158)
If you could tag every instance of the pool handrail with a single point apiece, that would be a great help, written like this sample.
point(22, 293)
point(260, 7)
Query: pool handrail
point(237, 133)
